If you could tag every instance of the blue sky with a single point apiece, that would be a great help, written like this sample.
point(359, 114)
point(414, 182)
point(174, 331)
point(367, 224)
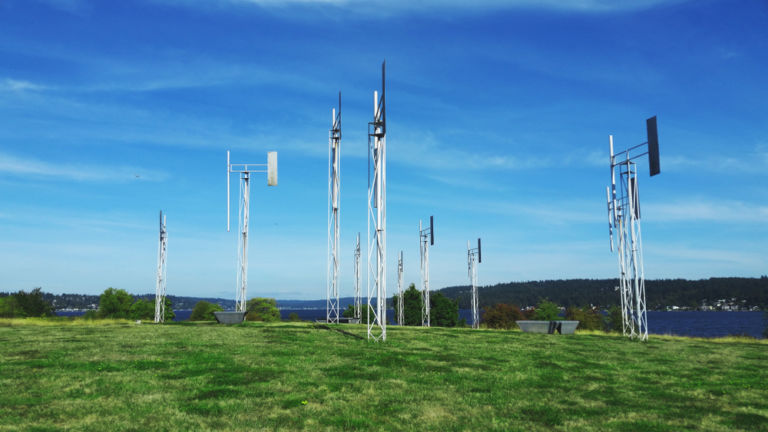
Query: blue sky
point(498, 122)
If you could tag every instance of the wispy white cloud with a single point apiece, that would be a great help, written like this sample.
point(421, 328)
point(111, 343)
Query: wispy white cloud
point(21, 166)
point(748, 162)
point(701, 210)
point(707, 256)
point(9, 84)
point(425, 150)
point(388, 7)
point(75, 6)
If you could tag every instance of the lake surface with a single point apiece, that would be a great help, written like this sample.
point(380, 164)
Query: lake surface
point(687, 323)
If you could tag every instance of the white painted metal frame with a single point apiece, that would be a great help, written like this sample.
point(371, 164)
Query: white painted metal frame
point(244, 171)
point(161, 272)
point(424, 241)
point(472, 261)
point(400, 300)
point(334, 206)
point(377, 216)
point(358, 298)
point(624, 217)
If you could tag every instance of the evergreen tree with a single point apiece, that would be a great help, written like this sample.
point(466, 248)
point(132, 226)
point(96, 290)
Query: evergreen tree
point(443, 312)
point(411, 306)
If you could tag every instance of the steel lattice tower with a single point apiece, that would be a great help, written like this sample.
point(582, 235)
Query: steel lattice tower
point(400, 307)
point(358, 298)
point(245, 171)
point(161, 273)
point(624, 217)
point(377, 215)
point(426, 238)
point(474, 256)
point(334, 205)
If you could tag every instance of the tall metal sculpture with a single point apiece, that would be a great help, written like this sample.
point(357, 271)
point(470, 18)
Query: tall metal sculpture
point(426, 238)
point(161, 273)
point(377, 215)
point(245, 171)
point(334, 204)
point(474, 257)
point(400, 307)
point(358, 298)
point(624, 217)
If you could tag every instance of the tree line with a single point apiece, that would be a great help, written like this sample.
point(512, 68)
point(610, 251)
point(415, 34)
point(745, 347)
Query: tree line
point(443, 311)
point(660, 293)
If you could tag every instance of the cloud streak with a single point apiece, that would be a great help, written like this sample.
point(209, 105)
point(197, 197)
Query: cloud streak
point(18, 166)
point(392, 7)
point(13, 85)
point(706, 211)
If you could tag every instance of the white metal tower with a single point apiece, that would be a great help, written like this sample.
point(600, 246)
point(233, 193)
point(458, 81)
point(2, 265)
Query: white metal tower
point(400, 307)
point(624, 216)
point(161, 272)
point(377, 215)
point(358, 298)
point(474, 257)
point(245, 171)
point(426, 238)
point(334, 205)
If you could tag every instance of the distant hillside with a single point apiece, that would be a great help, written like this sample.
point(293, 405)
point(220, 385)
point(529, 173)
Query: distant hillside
point(86, 301)
point(659, 293)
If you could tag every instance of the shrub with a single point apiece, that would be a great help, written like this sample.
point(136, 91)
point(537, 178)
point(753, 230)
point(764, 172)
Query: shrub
point(546, 311)
point(589, 318)
point(614, 319)
point(142, 310)
point(25, 304)
point(293, 316)
point(502, 316)
point(262, 309)
point(203, 311)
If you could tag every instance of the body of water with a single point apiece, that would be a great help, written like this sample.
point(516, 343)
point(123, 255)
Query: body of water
point(687, 323)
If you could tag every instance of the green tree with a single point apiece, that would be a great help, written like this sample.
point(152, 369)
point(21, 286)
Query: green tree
point(9, 307)
point(262, 309)
point(443, 312)
point(115, 303)
point(546, 311)
point(614, 319)
point(31, 304)
point(203, 311)
point(142, 310)
point(502, 316)
point(589, 318)
point(294, 317)
point(411, 306)
point(169, 313)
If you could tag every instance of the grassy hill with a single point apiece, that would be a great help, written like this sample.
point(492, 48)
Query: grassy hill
point(78, 375)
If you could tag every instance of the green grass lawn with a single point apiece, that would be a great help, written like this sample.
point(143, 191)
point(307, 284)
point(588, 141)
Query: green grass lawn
point(292, 376)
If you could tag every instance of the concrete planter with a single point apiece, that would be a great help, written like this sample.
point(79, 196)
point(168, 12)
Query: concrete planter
point(229, 317)
point(548, 327)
